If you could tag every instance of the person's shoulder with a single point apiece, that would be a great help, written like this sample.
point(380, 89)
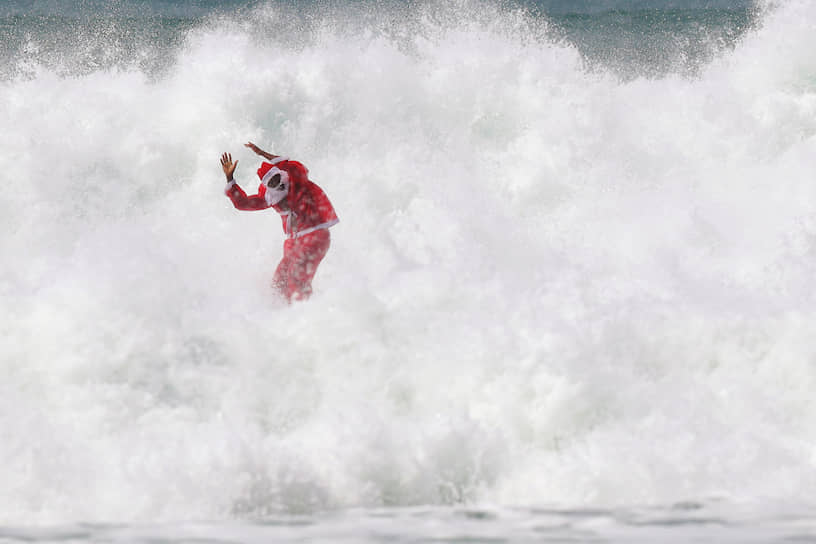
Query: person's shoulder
point(289, 163)
point(315, 187)
point(298, 173)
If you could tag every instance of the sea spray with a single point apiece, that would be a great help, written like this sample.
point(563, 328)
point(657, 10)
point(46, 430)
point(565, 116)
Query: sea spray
point(551, 283)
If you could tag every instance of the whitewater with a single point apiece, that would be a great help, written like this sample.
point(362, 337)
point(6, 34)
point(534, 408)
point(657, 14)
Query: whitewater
point(551, 287)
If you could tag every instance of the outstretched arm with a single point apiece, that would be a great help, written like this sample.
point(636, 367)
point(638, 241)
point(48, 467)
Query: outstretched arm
point(261, 152)
point(237, 195)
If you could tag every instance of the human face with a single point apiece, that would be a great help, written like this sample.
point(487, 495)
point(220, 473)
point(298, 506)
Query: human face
point(274, 181)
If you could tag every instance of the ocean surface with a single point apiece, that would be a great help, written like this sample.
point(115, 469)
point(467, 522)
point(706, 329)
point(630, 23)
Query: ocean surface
point(570, 299)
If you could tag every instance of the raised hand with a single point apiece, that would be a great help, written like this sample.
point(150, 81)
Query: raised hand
point(256, 149)
point(228, 166)
point(261, 152)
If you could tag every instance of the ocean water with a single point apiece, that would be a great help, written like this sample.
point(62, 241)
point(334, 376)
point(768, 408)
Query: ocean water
point(570, 297)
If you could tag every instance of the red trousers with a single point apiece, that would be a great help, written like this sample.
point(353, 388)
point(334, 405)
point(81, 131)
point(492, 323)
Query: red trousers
point(293, 277)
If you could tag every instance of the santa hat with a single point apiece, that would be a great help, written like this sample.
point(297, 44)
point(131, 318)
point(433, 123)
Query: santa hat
point(275, 182)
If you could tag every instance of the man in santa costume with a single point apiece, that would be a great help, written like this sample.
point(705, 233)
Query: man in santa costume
point(304, 208)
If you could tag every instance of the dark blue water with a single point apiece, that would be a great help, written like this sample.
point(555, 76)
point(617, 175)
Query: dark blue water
point(630, 38)
point(197, 8)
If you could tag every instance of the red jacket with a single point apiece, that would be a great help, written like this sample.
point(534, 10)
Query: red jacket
point(309, 207)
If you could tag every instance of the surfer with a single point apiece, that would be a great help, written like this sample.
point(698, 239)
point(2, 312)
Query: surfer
point(305, 211)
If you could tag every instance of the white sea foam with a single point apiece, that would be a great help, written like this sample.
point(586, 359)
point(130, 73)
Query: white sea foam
point(548, 286)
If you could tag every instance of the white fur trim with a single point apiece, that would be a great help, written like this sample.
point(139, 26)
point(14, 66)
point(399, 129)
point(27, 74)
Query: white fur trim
point(230, 183)
point(325, 225)
point(276, 160)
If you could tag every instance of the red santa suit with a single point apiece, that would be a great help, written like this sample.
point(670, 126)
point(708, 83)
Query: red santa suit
point(306, 213)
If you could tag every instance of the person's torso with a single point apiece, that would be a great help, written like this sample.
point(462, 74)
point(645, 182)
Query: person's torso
point(307, 209)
